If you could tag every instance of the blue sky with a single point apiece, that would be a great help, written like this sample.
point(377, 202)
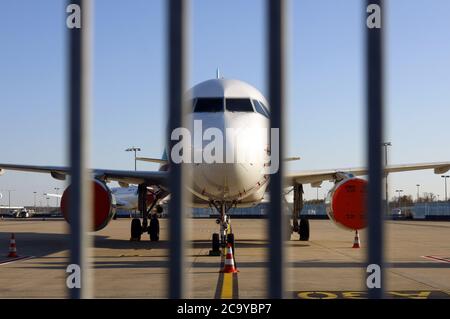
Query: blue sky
point(326, 110)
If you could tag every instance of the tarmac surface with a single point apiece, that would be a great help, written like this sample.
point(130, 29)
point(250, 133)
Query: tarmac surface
point(417, 256)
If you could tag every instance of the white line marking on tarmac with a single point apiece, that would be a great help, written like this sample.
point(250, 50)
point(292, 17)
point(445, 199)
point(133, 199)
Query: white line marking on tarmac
point(5, 262)
point(441, 259)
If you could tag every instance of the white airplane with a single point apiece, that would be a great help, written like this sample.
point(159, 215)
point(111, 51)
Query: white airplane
point(222, 104)
point(23, 213)
point(124, 197)
point(16, 211)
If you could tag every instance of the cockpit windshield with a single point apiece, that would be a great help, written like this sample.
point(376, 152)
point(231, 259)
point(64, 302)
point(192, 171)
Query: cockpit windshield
point(260, 108)
point(239, 105)
point(208, 105)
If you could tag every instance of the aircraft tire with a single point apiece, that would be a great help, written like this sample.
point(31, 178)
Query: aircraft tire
point(136, 229)
point(153, 229)
point(215, 242)
point(303, 230)
point(230, 240)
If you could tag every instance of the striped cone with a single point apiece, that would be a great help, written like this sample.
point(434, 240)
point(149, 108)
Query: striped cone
point(229, 261)
point(356, 242)
point(12, 247)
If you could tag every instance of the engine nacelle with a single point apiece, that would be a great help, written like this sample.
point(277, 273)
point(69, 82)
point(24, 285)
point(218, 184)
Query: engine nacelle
point(346, 203)
point(104, 205)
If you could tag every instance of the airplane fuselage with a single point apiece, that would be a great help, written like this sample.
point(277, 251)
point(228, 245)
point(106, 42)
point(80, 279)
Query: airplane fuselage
point(230, 147)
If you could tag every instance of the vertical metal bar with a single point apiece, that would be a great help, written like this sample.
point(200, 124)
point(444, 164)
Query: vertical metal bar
point(177, 49)
point(276, 76)
point(374, 103)
point(79, 106)
point(386, 186)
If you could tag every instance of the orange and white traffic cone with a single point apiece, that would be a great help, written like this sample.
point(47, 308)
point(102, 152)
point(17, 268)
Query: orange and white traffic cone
point(12, 247)
point(229, 266)
point(356, 242)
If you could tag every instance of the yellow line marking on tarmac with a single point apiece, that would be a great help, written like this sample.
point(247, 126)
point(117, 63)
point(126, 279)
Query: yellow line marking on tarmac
point(227, 286)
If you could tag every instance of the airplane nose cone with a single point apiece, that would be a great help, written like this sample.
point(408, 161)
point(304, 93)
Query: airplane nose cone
point(239, 167)
point(225, 181)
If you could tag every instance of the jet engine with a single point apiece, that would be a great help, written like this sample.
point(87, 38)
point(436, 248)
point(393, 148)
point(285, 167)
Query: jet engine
point(346, 203)
point(103, 201)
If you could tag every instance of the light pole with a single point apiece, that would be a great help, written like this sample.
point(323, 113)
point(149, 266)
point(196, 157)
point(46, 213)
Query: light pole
point(418, 193)
point(57, 197)
point(445, 182)
point(399, 191)
point(35, 200)
point(386, 144)
point(317, 190)
point(9, 196)
point(133, 149)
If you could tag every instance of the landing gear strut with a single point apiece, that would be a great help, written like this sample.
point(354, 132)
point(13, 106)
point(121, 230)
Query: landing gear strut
point(137, 229)
point(301, 228)
point(298, 206)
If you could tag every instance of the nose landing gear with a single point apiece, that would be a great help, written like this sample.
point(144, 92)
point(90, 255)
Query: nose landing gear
point(225, 234)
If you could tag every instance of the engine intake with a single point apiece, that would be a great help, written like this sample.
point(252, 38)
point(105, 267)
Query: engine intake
point(346, 203)
point(104, 205)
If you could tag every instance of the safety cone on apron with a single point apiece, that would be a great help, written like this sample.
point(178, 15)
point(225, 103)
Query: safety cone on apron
point(229, 266)
point(12, 247)
point(356, 242)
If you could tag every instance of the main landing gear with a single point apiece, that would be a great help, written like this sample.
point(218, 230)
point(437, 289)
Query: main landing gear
point(137, 229)
point(225, 235)
point(301, 227)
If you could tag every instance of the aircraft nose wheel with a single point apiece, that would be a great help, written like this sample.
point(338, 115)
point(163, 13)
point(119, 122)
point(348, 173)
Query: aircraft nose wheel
point(215, 247)
point(230, 240)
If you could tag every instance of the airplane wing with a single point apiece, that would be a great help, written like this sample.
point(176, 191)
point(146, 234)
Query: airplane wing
point(163, 161)
point(315, 178)
point(130, 177)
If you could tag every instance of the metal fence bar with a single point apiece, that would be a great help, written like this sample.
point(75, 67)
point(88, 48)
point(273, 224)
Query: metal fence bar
point(79, 106)
point(374, 104)
point(276, 77)
point(177, 49)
